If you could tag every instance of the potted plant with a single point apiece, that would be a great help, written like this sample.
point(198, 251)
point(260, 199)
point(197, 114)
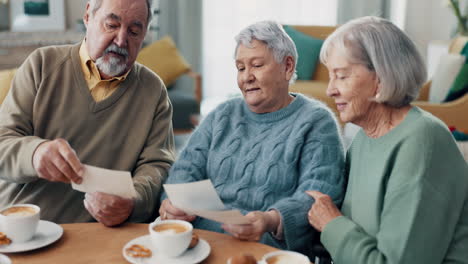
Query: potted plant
point(462, 17)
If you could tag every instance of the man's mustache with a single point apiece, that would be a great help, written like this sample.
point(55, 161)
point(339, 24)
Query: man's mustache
point(116, 49)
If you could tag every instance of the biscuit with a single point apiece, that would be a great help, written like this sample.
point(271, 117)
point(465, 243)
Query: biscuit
point(138, 251)
point(194, 241)
point(5, 241)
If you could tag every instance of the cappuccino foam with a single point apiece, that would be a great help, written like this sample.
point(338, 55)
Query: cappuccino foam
point(170, 228)
point(19, 211)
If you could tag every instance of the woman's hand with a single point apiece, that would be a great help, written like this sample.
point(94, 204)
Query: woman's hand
point(168, 211)
point(323, 210)
point(260, 222)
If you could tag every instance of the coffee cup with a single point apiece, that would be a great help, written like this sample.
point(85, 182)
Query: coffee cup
point(284, 257)
point(242, 259)
point(171, 237)
point(19, 222)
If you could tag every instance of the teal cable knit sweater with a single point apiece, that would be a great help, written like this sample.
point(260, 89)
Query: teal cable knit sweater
point(267, 161)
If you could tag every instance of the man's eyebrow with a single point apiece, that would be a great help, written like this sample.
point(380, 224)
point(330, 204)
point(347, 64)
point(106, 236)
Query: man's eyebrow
point(114, 16)
point(137, 23)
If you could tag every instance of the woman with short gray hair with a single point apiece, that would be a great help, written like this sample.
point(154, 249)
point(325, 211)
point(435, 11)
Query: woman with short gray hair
point(276, 39)
point(264, 150)
point(407, 194)
point(379, 45)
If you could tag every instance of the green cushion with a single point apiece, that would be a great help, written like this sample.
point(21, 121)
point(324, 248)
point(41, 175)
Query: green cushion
point(464, 52)
point(308, 49)
point(460, 86)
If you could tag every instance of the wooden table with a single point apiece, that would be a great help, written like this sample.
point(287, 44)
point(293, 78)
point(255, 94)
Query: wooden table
point(95, 243)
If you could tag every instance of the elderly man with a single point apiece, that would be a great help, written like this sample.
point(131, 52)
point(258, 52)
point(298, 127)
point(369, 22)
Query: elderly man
point(88, 103)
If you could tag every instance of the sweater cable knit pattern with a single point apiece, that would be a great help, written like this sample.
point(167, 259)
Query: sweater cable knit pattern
point(267, 161)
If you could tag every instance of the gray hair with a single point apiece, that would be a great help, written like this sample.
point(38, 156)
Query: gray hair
point(384, 49)
point(273, 35)
point(96, 4)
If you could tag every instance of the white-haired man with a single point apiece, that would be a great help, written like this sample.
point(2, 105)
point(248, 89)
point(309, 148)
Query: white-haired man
point(88, 103)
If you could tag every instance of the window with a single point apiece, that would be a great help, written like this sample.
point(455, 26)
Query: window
point(223, 19)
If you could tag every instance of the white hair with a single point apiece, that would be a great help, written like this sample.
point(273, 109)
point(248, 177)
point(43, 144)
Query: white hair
point(273, 35)
point(384, 49)
point(96, 4)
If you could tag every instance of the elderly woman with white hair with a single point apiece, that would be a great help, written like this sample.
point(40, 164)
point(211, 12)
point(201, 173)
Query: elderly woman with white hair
point(407, 194)
point(263, 151)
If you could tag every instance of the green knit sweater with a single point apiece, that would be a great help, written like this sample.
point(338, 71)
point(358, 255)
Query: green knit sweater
point(130, 130)
point(407, 198)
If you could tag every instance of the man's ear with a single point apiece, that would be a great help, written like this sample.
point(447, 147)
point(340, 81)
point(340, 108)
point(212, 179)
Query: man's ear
point(86, 15)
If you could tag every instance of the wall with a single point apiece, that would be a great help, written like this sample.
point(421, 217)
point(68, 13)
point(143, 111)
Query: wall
point(74, 10)
point(428, 20)
point(422, 20)
point(4, 17)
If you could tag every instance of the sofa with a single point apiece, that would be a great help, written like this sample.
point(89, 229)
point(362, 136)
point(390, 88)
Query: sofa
point(454, 113)
point(184, 85)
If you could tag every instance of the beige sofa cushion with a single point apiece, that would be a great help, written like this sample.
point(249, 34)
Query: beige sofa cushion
point(6, 76)
point(316, 90)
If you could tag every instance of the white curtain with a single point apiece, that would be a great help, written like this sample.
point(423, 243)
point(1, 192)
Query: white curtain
point(395, 10)
point(223, 19)
point(181, 19)
point(349, 9)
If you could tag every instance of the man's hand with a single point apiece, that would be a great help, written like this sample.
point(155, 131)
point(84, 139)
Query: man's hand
point(56, 161)
point(168, 211)
point(108, 209)
point(260, 222)
point(323, 210)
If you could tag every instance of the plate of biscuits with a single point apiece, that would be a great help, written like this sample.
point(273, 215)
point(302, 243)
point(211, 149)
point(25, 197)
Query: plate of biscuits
point(141, 251)
point(46, 234)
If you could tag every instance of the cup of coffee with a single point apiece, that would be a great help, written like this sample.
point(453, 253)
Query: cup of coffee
point(171, 237)
point(242, 259)
point(285, 257)
point(19, 222)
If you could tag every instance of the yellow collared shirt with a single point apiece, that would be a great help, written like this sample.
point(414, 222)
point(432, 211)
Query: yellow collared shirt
point(100, 89)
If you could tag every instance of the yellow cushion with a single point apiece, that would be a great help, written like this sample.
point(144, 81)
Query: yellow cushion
point(164, 59)
point(6, 76)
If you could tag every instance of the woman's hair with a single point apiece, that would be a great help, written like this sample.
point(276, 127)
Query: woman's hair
point(384, 49)
point(273, 35)
point(96, 4)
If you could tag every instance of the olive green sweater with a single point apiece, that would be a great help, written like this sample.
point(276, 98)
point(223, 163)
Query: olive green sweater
point(407, 198)
point(130, 130)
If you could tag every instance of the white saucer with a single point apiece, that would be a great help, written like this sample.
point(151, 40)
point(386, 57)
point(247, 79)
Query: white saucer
point(4, 259)
point(191, 256)
point(47, 233)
